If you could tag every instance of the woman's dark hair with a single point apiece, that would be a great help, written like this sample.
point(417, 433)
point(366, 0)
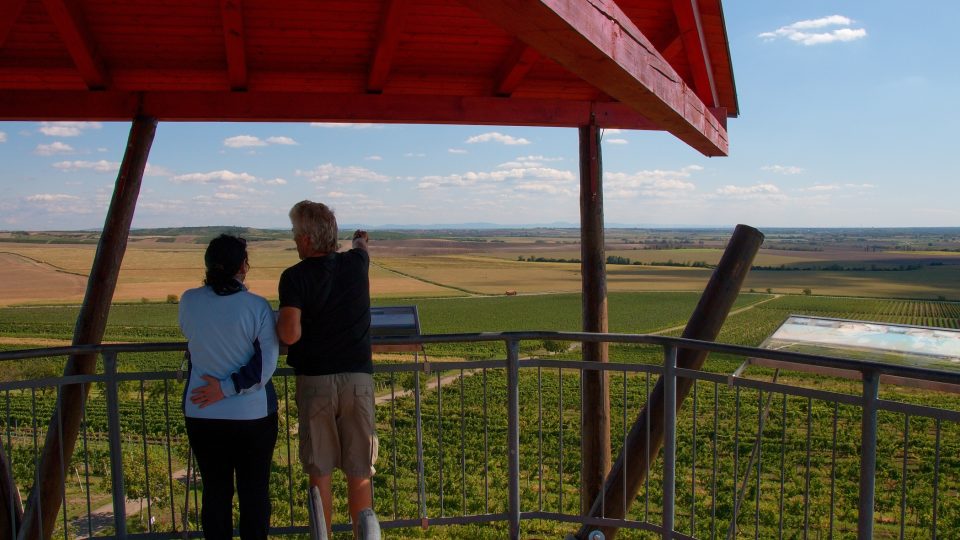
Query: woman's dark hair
point(224, 258)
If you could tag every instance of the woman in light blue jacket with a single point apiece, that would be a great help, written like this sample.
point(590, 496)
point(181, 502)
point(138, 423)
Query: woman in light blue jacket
point(229, 402)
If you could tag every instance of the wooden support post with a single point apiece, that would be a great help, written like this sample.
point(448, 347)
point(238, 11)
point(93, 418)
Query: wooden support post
point(11, 514)
point(595, 400)
point(622, 486)
point(45, 498)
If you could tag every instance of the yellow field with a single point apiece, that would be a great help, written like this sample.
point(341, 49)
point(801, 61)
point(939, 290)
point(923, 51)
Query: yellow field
point(34, 273)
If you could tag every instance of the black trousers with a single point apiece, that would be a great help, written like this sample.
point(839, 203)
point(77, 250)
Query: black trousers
point(225, 448)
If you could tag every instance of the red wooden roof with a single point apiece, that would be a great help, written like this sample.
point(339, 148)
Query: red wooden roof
point(640, 64)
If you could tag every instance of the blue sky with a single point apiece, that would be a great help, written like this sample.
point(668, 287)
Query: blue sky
point(848, 119)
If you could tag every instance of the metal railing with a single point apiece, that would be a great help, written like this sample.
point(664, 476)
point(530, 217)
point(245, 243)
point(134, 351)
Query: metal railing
point(496, 442)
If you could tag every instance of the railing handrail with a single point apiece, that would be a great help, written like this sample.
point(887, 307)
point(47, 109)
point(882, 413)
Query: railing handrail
point(862, 366)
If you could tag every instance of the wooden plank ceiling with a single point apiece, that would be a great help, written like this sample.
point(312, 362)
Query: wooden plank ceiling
point(637, 64)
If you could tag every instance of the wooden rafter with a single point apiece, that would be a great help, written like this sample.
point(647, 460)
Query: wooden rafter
point(231, 11)
point(595, 40)
point(76, 36)
point(691, 33)
point(673, 49)
point(390, 29)
point(312, 106)
point(515, 66)
point(9, 11)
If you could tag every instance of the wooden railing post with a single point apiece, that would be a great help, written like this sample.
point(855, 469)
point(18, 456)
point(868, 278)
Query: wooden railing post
point(595, 400)
point(622, 485)
point(45, 498)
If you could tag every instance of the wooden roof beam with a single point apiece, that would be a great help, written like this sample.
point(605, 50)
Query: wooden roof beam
point(9, 12)
point(390, 29)
point(687, 13)
point(314, 107)
point(515, 66)
point(231, 12)
point(595, 40)
point(68, 20)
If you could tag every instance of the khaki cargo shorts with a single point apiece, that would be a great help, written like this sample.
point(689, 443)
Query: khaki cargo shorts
point(337, 424)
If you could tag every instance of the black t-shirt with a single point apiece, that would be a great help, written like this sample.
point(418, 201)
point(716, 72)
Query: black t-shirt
point(333, 295)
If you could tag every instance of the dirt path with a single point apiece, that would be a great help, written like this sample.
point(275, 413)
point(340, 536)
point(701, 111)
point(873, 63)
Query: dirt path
point(734, 312)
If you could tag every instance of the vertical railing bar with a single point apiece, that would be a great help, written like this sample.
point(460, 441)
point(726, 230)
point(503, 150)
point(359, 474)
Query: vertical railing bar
point(603, 499)
point(833, 466)
point(646, 477)
point(560, 449)
point(36, 449)
point(513, 430)
point(463, 451)
point(693, 467)
point(116, 451)
point(440, 437)
point(806, 476)
point(486, 457)
point(540, 437)
point(86, 462)
point(783, 452)
point(10, 503)
point(393, 441)
point(286, 416)
point(146, 458)
point(756, 513)
point(936, 479)
point(732, 530)
point(713, 475)
point(421, 480)
point(166, 420)
point(196, 489)
point(63, 467)
point(623, 447)
point(903, 478)
point(868, 455)
point(669, 439)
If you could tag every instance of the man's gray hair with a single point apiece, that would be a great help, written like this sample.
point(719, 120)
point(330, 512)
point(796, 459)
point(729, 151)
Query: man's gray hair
point(317, 222)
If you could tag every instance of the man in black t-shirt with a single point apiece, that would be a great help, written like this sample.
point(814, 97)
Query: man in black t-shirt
point(325, 321)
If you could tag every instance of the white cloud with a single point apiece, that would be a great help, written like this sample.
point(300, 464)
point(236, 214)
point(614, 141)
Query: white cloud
point(527, 161)
point(415, 154)
point(495, 136)
point(615, 141)
point(800, 31)
point(286, 141)
point(782, 169)
point(226, 196)
point(758, 191)
point(822, 187)
point(157, 170)
point(456, 151)
point(275, 182)
point(51, 197)
point(477, 178)
point(343, 125)
point(102, 166)
point(67, 129)
point(373, 158)
point(246, 141)
point(219, 177)
point(657, 183)
point(543, 187)
point(53, 148)
point(243, 141)
point(3, 137)
point(612, 131)
point(328, 172)
point(344, 195)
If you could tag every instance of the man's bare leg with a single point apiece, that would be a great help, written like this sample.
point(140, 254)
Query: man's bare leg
point(359, 496)
point(326, 497)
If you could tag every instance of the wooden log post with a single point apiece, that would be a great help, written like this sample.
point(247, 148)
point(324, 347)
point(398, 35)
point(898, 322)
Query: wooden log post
point(621, 486)
point(595, 400)
point(45, 498)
